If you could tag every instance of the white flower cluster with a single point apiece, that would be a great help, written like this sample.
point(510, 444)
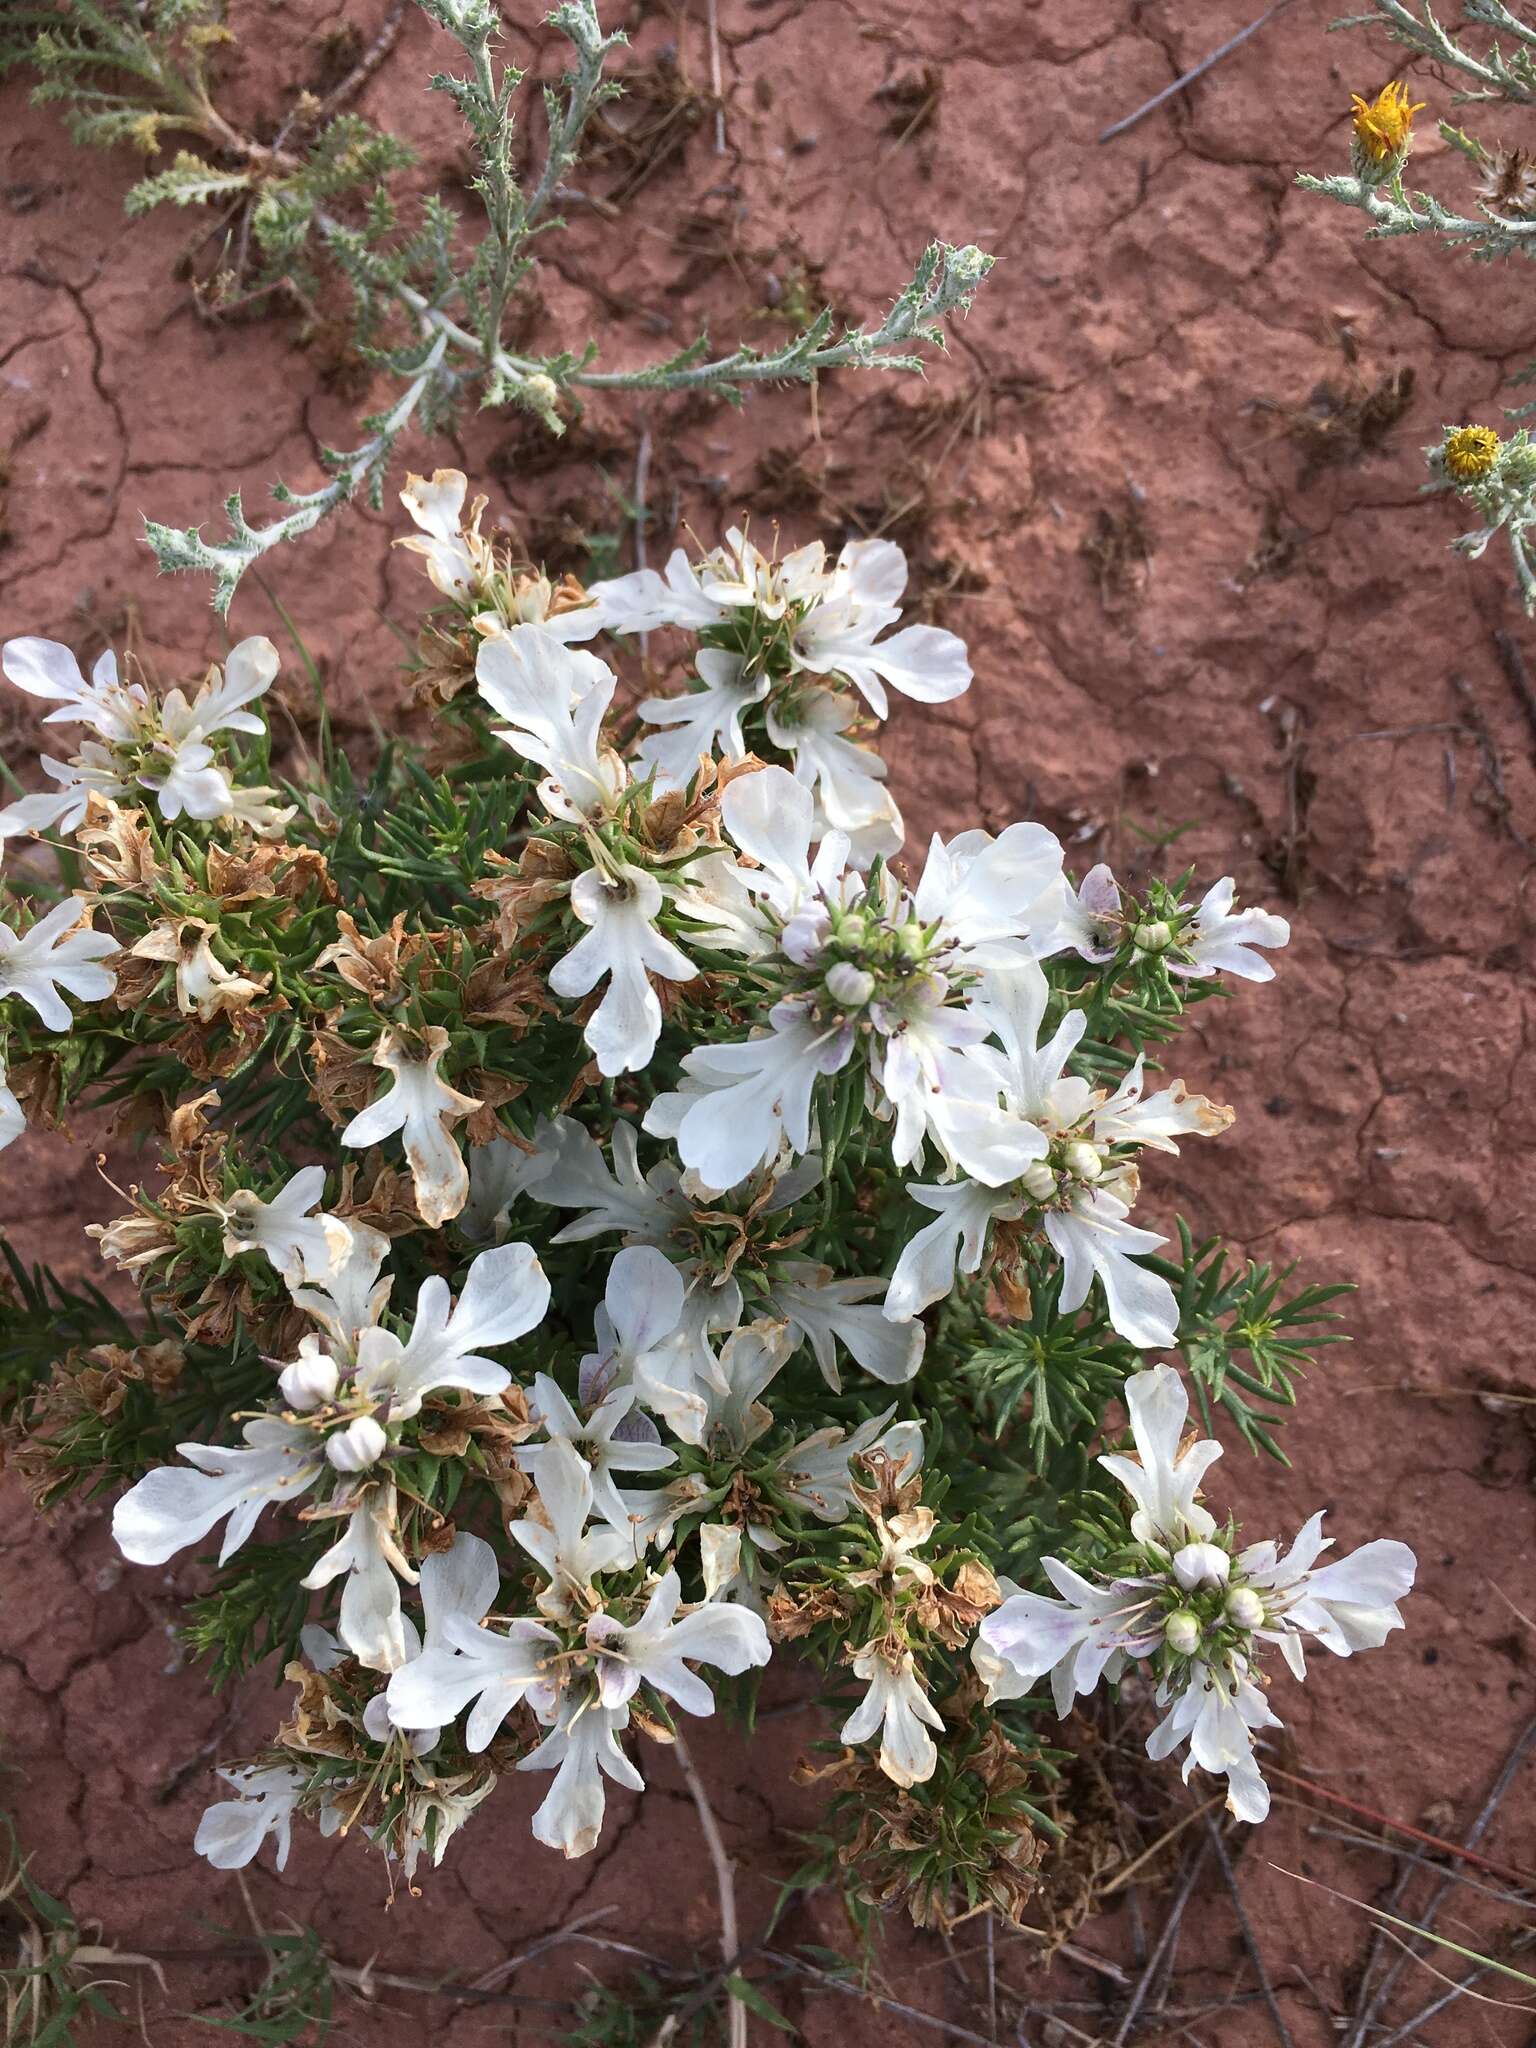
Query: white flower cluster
point(337, 1417)
point(159, 745)
point(797, 638)
point(763, 994)
point(1192, 1606)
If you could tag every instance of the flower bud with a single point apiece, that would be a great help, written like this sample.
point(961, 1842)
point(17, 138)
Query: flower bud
point(1084, 1160)
point(361, 1444)
point(1200, 1565)
point(1154, 937)
point(1244, 1608)
point(1181, 1632)
point(309, 1382)
point(850, 986)
point(1517, 465)
point(542, 389)
point(1038, 1181)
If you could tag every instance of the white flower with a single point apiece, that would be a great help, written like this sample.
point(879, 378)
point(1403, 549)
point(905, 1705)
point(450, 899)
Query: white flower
point(1130, 1118)
point(12, 1121)
point(925, 1272)
point(838, 634)
point(354, 1292)
point(648, 1342)
point(498, 1174)
point(652, 1651)
point(848, 780)
point(830, 1311)
point(458, 559)
point(570, 1553)
point(641, 602)
point(749, 1361)
point(1348, 1605)
point(573, 1174)
point(771, 818)
point(423, 1108)
point(371, 1624)
point(738, 575)
point(59, 951)
point(180, 765)
point(63, 809)
point(739, 1102)
point(897, 1705)
point(494, 1669)
point(620, 907)
point(604, 1449)
point(1221, 940)
point(162, 747)
point(555, 701)
point(1035, 1135)
point(1092, 1239)
point(1090, 919)
point(302, 1247)
point(460, 1585)
point(700, 721)
point(1212, 1701)
point(505, 1294)
point(815, 1472)
point(1217, 1711)
point(203, 983)
point(582, 1749)
point(999, 900)
point(47, 669)
point(232, 1831)
point(1086, 1635)
point(1163, 1479)
point(176, 1505)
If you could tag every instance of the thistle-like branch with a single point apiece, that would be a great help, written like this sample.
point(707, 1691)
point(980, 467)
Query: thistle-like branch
point(184, 548)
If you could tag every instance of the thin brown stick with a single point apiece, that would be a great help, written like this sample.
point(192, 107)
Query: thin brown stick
point(1245, 1928)
point(1164, 1944)
point(716, 76)
point(1123, 1877)
point(1198, 71)
point(1426, 1919)
point(365, 66)
point(725, 1885)
point(1467, 1854)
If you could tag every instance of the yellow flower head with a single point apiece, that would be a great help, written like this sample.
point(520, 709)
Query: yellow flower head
point(1470, 452)
point(1384, 126)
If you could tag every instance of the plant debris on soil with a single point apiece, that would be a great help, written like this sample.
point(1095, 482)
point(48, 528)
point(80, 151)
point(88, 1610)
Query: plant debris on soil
point(1259, 657)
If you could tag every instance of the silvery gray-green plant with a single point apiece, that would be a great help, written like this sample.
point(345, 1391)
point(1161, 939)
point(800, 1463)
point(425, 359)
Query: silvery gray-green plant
point(430, 306)
point(1494, 473)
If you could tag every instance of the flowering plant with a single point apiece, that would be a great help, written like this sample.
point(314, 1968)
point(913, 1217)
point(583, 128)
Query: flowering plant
point(1494, 474)
point(618, 1225)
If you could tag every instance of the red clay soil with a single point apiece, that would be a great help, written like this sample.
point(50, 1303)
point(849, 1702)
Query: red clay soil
point(1160, 484)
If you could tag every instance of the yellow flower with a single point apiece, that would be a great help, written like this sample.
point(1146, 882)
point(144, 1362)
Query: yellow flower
point(1470, 452)
point(1384, 126)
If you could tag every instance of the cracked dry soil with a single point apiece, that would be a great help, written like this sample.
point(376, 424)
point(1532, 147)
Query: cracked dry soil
point(1166, 484)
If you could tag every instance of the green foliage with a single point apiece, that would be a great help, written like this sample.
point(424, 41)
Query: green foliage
point(295, 1998)
point(52, 1987)
point(1246, 1341)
